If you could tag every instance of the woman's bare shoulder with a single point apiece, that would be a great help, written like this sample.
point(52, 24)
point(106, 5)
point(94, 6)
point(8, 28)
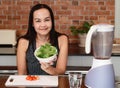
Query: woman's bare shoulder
point(63, 38)
point(23, 43)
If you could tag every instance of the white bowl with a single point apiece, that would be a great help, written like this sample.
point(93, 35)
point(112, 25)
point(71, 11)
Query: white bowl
point(45, 59)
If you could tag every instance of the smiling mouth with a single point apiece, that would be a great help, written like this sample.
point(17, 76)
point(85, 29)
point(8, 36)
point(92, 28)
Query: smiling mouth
point(43, 29)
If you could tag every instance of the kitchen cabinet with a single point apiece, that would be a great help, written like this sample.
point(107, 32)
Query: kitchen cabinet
point(7, 56)
point(77, 57)
point(8, 60)
point(87, 61)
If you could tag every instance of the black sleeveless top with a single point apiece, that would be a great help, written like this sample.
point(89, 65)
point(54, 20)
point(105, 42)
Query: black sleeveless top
point(33, 65)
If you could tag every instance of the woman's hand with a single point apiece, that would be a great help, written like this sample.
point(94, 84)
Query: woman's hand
point(46, 65)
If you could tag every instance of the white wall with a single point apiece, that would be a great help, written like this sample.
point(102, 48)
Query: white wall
point(117, 18)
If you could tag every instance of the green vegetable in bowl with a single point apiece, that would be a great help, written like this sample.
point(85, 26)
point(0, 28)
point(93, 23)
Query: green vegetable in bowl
point(46, 51)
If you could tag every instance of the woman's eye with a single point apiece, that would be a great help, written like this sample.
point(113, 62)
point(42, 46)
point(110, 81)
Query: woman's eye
point(47, 20)
point(38, 21)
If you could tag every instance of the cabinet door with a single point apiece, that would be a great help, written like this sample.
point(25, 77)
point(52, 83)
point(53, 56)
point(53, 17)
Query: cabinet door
point(8, 60)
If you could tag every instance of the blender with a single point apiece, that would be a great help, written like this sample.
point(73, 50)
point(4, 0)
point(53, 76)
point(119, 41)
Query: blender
point(100, 39)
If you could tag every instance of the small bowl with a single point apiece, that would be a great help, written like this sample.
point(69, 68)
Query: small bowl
point(51, 58)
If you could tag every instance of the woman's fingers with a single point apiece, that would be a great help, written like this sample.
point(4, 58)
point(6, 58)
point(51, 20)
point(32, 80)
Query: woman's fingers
point(44, 65)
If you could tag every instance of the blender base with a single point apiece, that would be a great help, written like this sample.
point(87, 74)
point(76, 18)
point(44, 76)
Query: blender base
point(101, 75)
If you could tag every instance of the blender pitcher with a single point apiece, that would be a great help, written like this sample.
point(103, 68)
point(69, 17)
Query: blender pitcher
point(101, 75)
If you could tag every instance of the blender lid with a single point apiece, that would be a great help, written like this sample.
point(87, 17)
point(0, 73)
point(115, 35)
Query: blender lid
point(105, 27)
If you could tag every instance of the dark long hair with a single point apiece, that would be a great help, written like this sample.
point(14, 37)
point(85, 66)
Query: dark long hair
point(31, 33)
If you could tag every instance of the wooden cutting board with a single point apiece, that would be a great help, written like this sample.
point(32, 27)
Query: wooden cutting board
point(43, 81)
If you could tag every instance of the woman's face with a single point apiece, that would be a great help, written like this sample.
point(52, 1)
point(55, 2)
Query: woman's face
point(42, 21)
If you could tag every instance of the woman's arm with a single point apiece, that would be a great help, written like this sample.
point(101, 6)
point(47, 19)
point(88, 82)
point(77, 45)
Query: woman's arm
point(21, 56)
point(61, 60)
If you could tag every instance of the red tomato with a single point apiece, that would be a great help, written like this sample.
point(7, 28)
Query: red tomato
point(28, 77)
point(32, 77)
point(37, 77)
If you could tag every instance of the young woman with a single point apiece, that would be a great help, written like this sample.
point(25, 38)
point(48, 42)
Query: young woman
point(41, 30)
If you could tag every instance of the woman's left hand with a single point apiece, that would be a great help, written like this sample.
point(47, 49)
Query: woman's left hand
point(44, 65)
